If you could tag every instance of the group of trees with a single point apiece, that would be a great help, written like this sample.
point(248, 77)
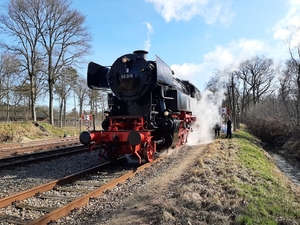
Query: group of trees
point(45, 41)
point(264, 95)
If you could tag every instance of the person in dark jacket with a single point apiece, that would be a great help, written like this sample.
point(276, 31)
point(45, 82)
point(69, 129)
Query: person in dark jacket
point(228, 135)
point(217, 128)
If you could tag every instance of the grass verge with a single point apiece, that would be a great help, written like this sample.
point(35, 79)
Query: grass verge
point(270, 197)
point(234, 182)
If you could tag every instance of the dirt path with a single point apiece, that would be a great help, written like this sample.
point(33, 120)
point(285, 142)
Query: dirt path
point(183, 188)
point(145, 207)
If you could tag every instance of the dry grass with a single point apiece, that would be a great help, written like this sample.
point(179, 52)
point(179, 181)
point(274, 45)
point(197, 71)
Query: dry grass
point(234, 182)
point(27, 131)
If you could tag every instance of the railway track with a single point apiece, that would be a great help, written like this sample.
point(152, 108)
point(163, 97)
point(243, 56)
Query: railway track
point(23, 153)
point(23, 159)
point(67, 193)
point(15, 149)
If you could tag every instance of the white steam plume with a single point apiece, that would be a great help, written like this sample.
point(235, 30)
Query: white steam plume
point(207, 112)
point(150, 30)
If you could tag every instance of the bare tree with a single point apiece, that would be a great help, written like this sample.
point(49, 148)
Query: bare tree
point(82, 93)
point(48, 35)
point(216, 83)
point(9, 71)
point(63, 88)
point(244, 91)
point(98, 103)
point(290, 89)
point(19, 23)
point(257, 75)
point(63, 37)
point(294, 65)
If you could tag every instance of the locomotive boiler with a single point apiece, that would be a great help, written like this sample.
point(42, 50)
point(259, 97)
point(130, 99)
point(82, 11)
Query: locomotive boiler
point(148, 108)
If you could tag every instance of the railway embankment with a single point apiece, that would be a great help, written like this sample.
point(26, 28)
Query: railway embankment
point(29, 131)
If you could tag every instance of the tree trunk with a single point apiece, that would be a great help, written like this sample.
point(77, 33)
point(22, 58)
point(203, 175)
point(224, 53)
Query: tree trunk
point(64, 112)
point(233, 105)
point(7, 108)
point(60, 113)
point(33, 98)
point(298, 97)
point(51, 117)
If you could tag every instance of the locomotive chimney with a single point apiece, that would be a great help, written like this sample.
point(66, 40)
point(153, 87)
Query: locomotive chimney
point(141, 53)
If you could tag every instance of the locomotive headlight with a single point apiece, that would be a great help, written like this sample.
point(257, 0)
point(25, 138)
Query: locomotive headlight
point(125, 59)
point(106, 113)
point(166, 113)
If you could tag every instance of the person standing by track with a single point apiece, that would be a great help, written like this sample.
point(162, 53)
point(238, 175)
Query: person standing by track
point(228, 135)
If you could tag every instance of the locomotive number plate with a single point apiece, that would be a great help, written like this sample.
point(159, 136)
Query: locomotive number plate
point(127, 76)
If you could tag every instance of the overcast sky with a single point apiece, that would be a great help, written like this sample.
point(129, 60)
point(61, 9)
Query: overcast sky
point(194, 37)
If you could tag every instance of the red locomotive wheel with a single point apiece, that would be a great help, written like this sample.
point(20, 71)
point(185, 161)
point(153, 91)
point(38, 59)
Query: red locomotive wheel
point(180, 140)
point(148, 152)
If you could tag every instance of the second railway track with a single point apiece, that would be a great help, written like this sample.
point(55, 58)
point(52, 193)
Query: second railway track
point(30, 152)
point(16, 149)
point(39, 156)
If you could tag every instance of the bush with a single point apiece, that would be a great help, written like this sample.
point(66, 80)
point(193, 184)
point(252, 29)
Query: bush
point(269, 129)
point(269, 124)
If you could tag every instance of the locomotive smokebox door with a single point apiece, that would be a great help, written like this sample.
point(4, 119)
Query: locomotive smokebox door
point(130, 76)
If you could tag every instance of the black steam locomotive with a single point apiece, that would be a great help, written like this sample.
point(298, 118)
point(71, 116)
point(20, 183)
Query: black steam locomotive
point(148, 109)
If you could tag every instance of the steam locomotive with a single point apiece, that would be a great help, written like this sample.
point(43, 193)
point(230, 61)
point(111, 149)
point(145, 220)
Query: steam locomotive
point(148, 109)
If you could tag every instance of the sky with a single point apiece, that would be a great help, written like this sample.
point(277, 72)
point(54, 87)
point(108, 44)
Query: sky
point(194, 37)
